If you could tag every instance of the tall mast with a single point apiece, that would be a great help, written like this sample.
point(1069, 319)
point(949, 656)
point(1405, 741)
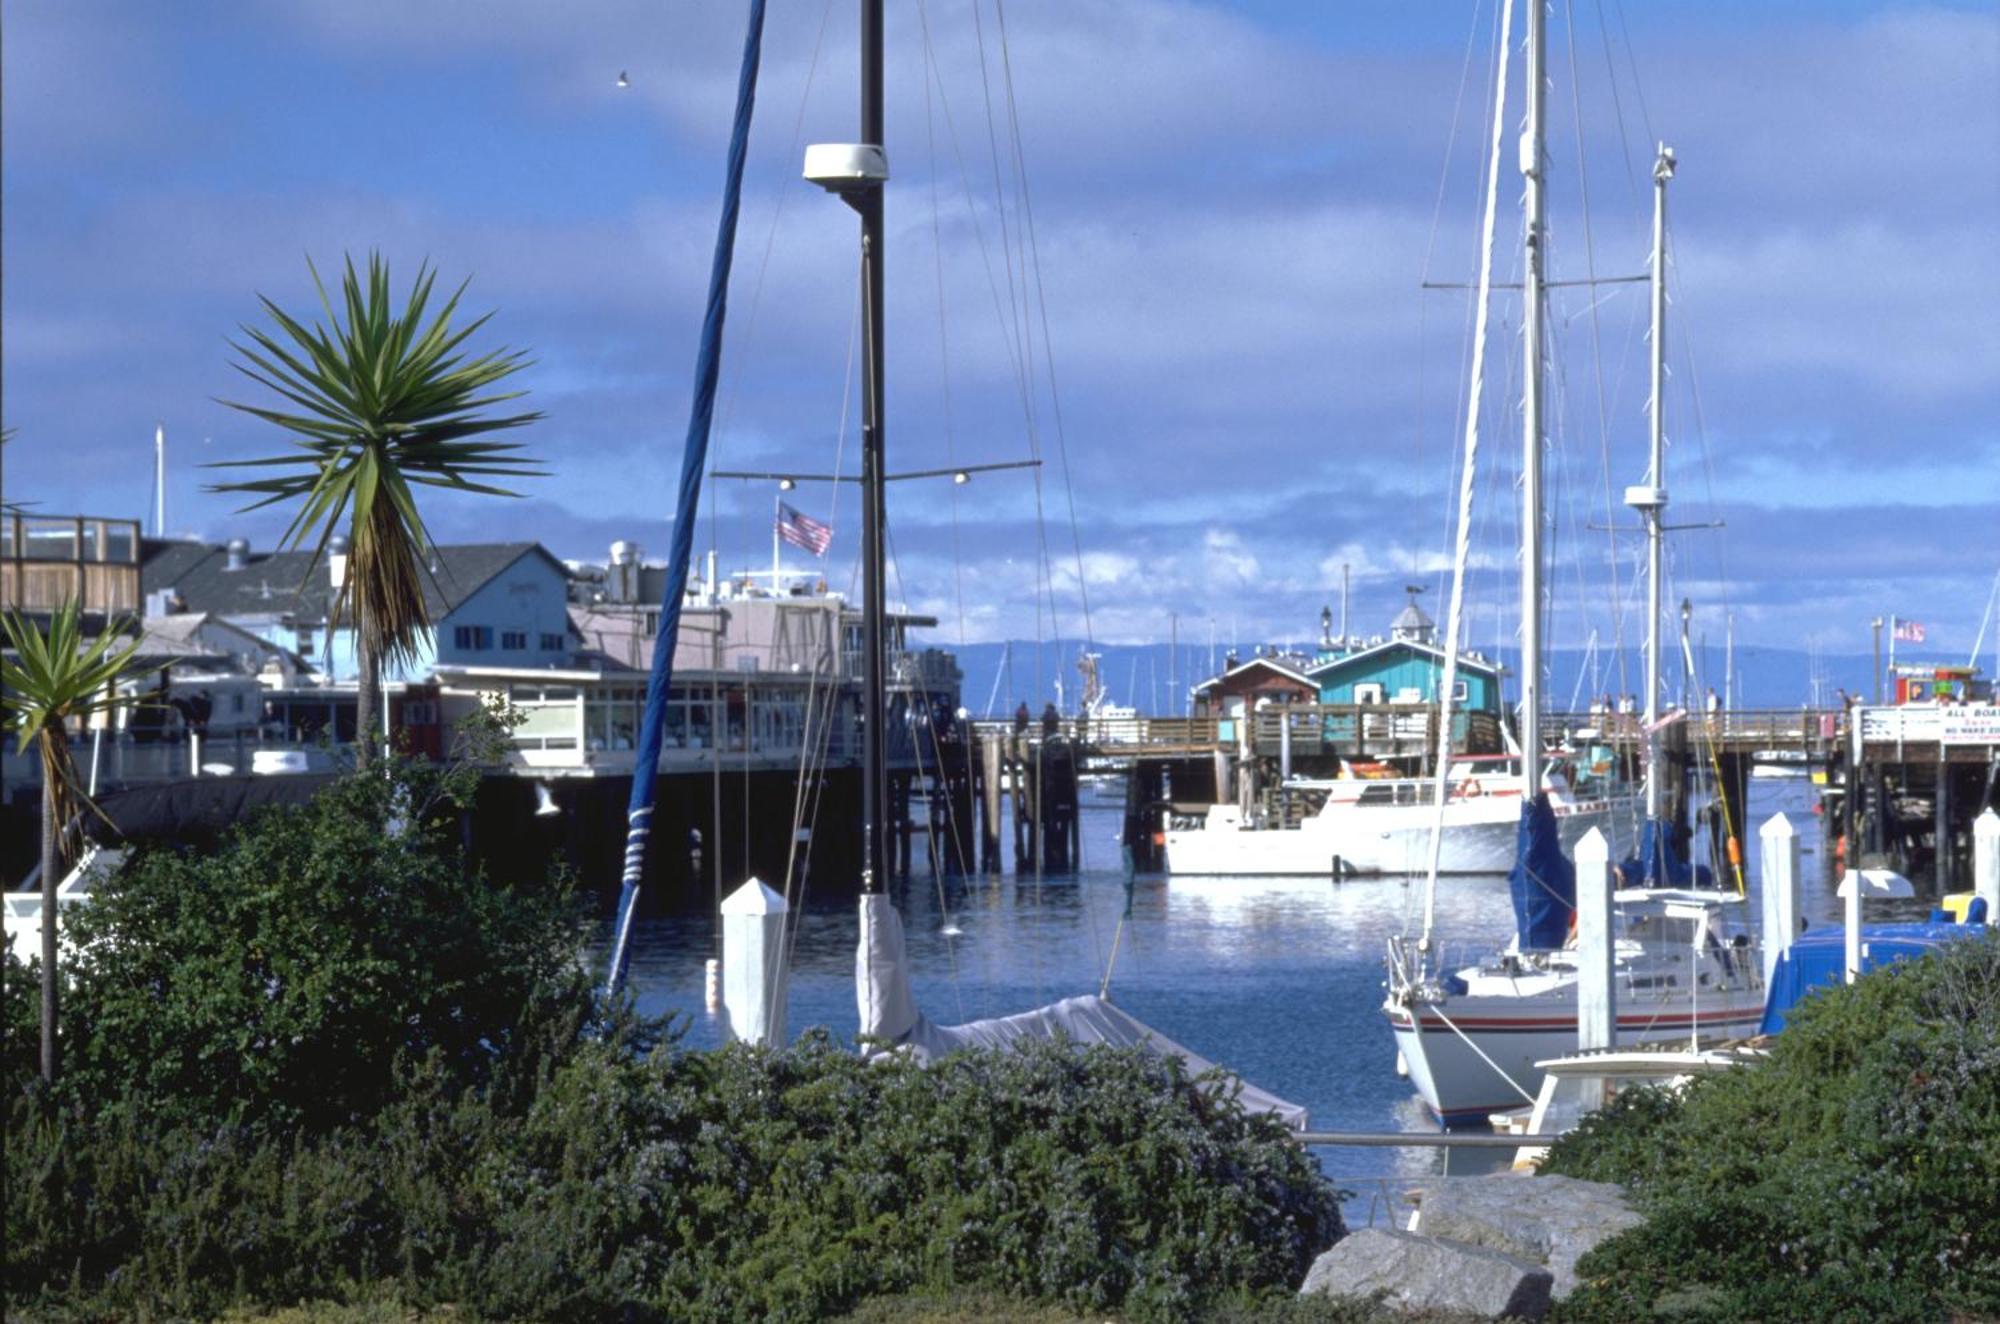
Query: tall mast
point(1533, 161)
point(1651, 500)
point(874, 790)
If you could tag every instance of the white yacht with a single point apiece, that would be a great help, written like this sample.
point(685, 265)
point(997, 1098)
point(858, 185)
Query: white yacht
point(1383, 825)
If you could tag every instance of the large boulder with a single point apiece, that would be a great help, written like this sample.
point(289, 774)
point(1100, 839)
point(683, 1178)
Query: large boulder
point(1430, 1273)
point(1551, 1220)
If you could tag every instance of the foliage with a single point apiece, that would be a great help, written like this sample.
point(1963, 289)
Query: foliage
point(1855, 1174)
point(56, 675)
point(278, 978)
point(325, 1065)
point(383, 400)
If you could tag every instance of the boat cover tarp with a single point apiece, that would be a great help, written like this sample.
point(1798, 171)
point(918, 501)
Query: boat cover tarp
point(1819, 960)
point(889, 1013)
point(197, 811)
point(1659, 864)
point(1543, 880)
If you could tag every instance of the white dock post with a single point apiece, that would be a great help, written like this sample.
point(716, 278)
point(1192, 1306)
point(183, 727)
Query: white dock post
point(1596, 998)
point(1778, 845)
point(1881, 884)
point(753, 964)
point(1986, 863)
point(1284, 743)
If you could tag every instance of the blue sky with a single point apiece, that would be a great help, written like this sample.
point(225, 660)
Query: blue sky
point(1233, 207)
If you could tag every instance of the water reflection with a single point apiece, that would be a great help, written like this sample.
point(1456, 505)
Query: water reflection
point(1280, 978)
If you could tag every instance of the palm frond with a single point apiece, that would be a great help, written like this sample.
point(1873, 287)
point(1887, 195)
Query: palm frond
point(380, 399)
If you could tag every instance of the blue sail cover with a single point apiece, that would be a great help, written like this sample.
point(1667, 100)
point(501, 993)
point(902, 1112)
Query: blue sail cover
point(1658, 864)
point(694, 457)
point(1543, 881)
point(1818, 960)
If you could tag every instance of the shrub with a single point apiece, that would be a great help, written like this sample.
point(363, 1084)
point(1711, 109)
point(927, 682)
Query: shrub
point(1855, 1174)
point(283, 976)
point(325, 1062)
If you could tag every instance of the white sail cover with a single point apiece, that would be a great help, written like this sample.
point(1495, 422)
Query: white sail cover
point(889, 1013)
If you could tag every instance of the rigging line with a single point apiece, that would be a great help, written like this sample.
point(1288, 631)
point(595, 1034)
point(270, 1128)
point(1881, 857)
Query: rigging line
point(971, 205)
point(1042, 304)
point(1638, 85)
point(1023, 339)
point(944, 344)
point(1687, 342)
point(783, 192)
point(1455, 613)
point(1022, 364)
point(1596, 337)
point(1617, 102)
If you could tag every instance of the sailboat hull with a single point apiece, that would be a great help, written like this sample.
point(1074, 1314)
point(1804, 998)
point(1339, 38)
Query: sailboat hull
point(1459, 1072)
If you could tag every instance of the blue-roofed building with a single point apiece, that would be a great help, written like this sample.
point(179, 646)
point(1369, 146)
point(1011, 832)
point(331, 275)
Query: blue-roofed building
point(1406, 667)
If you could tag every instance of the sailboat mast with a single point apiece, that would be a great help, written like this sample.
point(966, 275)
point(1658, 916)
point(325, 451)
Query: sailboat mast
point(874, 790)
point(1533, 160)
point(1655, 504)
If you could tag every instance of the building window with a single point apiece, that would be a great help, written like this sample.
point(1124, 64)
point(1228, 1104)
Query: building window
point(1460, 691)
point(514, 640)
point(552, 643)
point(472, 638)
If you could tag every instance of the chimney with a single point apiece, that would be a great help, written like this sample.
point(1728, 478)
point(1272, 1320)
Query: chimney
point(238, 551)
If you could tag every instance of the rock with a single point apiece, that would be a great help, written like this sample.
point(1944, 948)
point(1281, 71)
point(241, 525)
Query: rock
point(1552, 1220)
point(1430, 1273)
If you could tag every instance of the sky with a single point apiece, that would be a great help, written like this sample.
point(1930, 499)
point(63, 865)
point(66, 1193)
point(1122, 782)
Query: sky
point(1174, 250)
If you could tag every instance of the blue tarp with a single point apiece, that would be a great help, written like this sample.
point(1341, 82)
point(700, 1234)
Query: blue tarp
point(1543, 881)
point(1818, 960)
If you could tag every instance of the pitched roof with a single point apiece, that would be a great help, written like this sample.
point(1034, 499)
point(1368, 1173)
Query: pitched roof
point(277, 583)
point(1282, 667)
point(1466, 662)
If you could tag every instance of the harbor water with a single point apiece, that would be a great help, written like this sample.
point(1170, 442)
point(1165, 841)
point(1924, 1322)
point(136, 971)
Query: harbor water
point(1281, 979)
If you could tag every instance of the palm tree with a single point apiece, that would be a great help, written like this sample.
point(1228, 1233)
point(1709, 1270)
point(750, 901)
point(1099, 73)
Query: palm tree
point(51, 678)
point(386, 401)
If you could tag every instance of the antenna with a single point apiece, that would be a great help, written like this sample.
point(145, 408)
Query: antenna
point(159, 480)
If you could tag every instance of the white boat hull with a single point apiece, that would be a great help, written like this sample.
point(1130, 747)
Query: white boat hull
point(1478, 837)
point(1460, 1086)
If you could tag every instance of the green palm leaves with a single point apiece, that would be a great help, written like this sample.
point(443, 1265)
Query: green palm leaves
point(379, 399)
point(51, 678)
point(54, 677)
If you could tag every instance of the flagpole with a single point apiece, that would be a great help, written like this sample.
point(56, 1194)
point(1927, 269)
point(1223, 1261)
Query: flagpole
point(1895, 628)
point(777, 518)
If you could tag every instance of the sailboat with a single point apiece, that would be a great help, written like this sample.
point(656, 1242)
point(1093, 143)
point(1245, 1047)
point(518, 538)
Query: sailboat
point(1470, 1038)
point(889, 1019)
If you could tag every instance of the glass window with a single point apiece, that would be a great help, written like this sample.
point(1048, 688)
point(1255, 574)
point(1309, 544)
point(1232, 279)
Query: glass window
point(514, 640)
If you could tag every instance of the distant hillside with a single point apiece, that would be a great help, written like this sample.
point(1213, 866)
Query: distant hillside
point(998, 676)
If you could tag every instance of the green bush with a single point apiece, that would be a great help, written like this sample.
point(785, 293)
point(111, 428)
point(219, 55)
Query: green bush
point(1855, 1174)
point(325, 1062)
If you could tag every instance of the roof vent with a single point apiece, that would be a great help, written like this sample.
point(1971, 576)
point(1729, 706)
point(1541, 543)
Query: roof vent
point(238, 551)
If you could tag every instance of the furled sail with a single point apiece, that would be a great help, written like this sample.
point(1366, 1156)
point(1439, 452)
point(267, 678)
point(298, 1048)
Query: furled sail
point(694, 456)
point(889, 1013)
point(1543, 881)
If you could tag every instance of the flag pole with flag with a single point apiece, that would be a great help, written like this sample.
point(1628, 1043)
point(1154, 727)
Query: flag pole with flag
point(803, 531)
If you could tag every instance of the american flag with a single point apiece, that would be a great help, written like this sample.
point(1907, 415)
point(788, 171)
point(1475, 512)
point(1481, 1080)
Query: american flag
point(801, 530)
point(1910, 632)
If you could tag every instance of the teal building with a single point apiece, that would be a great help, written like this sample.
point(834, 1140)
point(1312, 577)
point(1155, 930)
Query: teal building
point(1406, 667)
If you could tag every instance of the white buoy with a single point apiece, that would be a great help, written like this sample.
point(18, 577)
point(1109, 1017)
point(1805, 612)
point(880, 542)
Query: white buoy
point(1778, 846)
point(753, 964)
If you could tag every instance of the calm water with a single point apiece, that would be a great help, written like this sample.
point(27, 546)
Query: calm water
point(1279, 979)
